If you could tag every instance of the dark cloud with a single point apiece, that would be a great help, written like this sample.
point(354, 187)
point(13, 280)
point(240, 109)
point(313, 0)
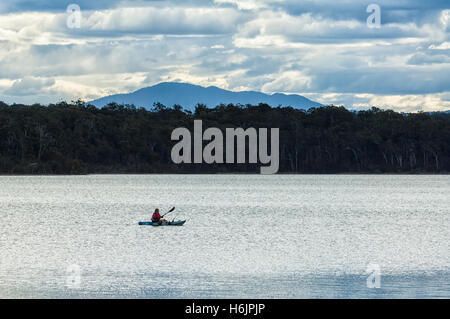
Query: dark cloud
point(383, 80)
point(29, 86)
point(9, 6)
point(399, 11)
point(430, 58)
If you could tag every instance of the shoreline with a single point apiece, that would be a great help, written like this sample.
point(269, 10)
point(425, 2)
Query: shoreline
point(226, 174)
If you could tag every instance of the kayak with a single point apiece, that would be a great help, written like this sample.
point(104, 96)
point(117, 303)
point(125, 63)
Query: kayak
point(172, 223)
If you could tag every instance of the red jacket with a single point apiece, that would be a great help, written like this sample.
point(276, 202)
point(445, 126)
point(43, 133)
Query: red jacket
point(156, 216)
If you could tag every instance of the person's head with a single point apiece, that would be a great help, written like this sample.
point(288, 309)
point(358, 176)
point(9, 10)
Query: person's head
point(157, 210)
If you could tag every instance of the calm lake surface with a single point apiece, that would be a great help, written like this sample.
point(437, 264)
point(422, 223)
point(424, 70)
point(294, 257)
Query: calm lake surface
point(247, 236)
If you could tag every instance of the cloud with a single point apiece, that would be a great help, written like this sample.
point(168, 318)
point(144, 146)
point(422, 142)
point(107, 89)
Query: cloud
point(46, 28)
point(400, 11)
point(288, 81)
point(29, 86)
point(322, 49)
point(245, 4)
point(163, 21)
point(423, 59)
point(13, 6)
point(408, 103)
point(403, 103)
point(307, 28)
point(441, 46)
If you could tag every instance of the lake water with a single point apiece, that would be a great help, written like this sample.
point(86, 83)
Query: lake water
point(246, 236)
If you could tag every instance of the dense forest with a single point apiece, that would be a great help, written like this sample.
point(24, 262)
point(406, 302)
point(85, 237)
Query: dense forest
point(77, 138)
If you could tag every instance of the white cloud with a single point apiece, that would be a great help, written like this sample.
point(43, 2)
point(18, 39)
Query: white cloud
point(445, 18)
point(172, 20)
point(441, 46)
point(408, 102)
point(245, 4)
point(288, 81)
point(403, 103)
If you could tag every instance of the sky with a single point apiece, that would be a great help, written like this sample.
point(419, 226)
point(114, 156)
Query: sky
point(325, 50)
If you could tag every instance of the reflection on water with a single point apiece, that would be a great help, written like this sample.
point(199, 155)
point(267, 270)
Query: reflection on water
point(246, 236)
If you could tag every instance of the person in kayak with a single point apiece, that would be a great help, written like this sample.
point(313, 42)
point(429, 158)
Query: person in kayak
point(156, 217)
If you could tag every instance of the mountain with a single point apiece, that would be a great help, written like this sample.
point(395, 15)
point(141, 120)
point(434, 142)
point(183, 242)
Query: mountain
point(188, 96)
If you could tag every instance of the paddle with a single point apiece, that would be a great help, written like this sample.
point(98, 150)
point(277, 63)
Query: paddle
point(173, 208)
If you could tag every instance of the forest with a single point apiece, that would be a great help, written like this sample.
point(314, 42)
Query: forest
point(78, 138)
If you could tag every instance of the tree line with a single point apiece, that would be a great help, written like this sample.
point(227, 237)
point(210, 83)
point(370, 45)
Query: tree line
point(78, 138)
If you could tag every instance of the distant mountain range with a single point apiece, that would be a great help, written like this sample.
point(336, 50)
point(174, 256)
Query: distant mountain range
point(188, 96)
